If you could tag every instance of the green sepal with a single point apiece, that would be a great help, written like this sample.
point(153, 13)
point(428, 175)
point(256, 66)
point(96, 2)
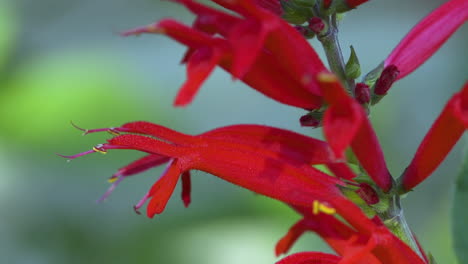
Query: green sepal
point(295, 13)
point(372, 77)
point(353, 68)
point(350, 193)
point(460, 214)
point(305, 3)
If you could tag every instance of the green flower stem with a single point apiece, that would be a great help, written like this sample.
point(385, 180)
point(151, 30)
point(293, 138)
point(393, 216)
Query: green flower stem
point(334, 55)
point(395, 220)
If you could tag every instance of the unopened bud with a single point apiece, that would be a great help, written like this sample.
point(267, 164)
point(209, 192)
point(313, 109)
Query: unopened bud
point(301, 30)
point(368, 194)
point(387, 78)
point(317, 25)
point(309, 121)
point(362, 93)
point(327, 3)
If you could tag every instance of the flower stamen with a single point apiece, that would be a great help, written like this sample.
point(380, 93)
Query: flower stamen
point(318, 207)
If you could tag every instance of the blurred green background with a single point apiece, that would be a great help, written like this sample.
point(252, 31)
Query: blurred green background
point(63, 60)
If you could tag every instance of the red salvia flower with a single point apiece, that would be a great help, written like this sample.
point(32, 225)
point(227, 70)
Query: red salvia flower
point(424, 40)
point(259, 48)
point(268, 160)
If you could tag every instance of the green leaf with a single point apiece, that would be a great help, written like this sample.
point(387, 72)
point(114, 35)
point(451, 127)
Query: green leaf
point(353, 68)
point(460, 214)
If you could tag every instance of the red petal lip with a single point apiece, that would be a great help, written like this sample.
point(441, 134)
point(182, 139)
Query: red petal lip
point(428, 36)
point(442, 136)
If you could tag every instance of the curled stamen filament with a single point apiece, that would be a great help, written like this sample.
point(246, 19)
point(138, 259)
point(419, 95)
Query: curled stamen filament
point(111, 189)
point(141, 203)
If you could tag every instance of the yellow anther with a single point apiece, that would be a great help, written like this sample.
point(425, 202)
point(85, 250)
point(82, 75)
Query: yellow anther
point(155, 29)
point(325, 77)
point(113, 132)
point(318, 207)
point(112, 179)
point(96, 149)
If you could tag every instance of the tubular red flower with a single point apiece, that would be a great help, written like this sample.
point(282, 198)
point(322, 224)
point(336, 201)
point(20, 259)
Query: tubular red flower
point(443, 135)
point(261, 159)
point(345, 114)
point(270, 66)
point(428, 36)
point(206, 52)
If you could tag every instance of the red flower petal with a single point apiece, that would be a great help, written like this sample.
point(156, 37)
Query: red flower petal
point(199, 66)
point(355, 3)
point(286, 143)
point(141, 165)
point(310, 258)
point(186, 188)
point(428, 36)
point(273, 6)
point(444, 133)
point(162, 190)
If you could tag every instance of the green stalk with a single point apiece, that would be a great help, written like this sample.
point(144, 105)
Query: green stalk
point(334, 55)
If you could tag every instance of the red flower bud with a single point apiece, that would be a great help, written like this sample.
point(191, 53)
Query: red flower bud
point(387, 78)
point(316, 25)
point(362, 93)
point(309, 121)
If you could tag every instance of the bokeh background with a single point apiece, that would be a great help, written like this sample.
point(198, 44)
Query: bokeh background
point(63, 60)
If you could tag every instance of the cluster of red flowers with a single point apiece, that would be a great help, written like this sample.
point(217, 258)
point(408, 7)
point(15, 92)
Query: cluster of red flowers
point(260, 48)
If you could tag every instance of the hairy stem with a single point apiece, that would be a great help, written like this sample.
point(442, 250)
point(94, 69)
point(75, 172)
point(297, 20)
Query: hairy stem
point(334, 55)
point(395, 220)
